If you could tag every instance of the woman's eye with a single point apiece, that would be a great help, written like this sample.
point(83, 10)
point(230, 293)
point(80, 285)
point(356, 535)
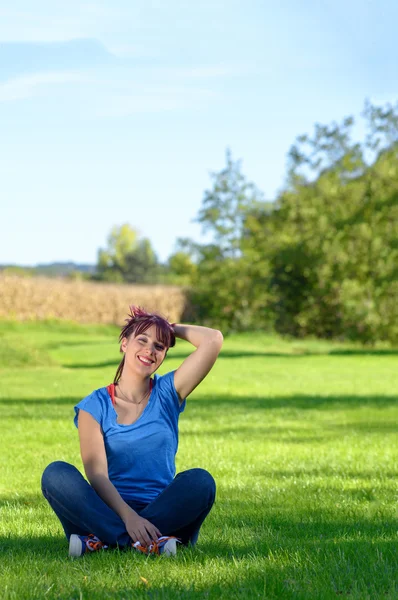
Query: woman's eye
point(159, 347)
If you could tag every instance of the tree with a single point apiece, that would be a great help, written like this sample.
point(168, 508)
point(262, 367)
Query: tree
point(127, 257)
point(225, 206)
point(331, 239)
point(223, 282)
point(322, 259)
point(181, 268)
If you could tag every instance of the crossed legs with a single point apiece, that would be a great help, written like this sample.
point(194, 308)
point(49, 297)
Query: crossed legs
point(179, 510)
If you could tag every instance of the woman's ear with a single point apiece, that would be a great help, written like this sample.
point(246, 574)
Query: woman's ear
point(123, 345)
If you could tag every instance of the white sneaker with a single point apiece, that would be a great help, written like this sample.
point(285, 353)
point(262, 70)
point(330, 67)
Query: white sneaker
point(80, 544)
point(166, 545)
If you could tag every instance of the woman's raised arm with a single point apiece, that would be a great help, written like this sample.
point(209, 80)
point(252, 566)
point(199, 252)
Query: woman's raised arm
point(196, 366)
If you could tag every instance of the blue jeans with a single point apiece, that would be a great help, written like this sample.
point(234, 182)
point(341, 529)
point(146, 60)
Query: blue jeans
point(179, 510)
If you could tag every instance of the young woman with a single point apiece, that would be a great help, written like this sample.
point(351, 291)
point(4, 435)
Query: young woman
point(128, 441)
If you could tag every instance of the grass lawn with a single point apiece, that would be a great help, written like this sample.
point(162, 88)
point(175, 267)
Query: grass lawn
point(301, 438)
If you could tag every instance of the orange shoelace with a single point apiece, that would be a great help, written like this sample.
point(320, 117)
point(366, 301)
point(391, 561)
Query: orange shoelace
point(94, 543)
point(151, 549)
point(154, 547)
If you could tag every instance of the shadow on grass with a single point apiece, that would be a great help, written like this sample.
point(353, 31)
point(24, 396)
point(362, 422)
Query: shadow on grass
point(248, 547)
point(81, 342)
point(100, 365)
point(22, 500)
point(37, 403)
point(181, 356)
point(201, 406)
point(275, 526)
point(303, 555)
point(315, 472)
point(305, 525)
point(294, 353)
point(44, 545)
point(295, 401)
point(303, 353)
point(364, 352)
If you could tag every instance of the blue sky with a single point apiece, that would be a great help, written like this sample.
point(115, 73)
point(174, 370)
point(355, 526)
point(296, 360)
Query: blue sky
point(116, 111)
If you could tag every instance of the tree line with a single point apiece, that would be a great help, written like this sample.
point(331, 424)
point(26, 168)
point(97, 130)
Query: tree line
point(321, 259)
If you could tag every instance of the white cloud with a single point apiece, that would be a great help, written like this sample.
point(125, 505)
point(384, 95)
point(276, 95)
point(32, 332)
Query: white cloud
point(108, 94)
point(120, 91)
point(147, 99)
point(210, 71)
point(27, 86)
point(55, 21)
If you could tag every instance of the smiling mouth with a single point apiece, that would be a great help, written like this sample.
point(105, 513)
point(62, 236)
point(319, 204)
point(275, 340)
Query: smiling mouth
point(145, 361)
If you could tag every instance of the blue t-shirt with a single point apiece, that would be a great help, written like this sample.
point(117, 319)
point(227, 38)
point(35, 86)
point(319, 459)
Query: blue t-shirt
point(141, 456)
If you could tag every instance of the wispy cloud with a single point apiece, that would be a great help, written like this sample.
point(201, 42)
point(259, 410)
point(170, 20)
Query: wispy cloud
point(212, 71)
point(55, 21)
point(102, 96)
point(17, 58)
point(113, 88)
point(148, 99)
point(29, 85)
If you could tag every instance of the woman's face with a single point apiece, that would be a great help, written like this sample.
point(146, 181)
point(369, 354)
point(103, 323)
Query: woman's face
point(144, 353)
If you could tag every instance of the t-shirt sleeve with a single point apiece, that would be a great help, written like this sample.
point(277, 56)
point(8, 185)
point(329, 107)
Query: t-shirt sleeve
point(92, 404)
point(168, 394)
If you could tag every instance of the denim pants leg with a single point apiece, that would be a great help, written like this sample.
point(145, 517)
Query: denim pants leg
point(183, 506)
point(179, 510)
point(78, 506)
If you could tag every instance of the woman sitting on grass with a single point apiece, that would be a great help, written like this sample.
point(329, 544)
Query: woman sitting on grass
point(128, 441)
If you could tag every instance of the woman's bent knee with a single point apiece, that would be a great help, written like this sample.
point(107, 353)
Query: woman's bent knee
point(203, 482)
point(56, 473)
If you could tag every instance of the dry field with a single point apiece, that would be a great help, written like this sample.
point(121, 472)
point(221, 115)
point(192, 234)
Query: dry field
point(41, 298)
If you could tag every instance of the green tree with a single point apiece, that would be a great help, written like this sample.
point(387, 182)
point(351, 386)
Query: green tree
point(331, 238)
point(225, 206)
point(320, 260)
point(127, 258)
point(224, 280)
point(181, 268)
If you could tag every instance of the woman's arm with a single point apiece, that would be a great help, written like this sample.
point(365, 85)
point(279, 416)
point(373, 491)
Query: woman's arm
point(196, 366)
point(95, 463)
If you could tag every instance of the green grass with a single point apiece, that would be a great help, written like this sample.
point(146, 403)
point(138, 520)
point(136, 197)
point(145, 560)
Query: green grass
point(301, 438)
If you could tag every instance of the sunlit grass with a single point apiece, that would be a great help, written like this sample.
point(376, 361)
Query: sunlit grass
point(301, 438)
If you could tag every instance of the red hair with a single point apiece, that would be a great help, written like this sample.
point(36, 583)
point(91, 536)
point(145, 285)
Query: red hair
point(139, 320)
